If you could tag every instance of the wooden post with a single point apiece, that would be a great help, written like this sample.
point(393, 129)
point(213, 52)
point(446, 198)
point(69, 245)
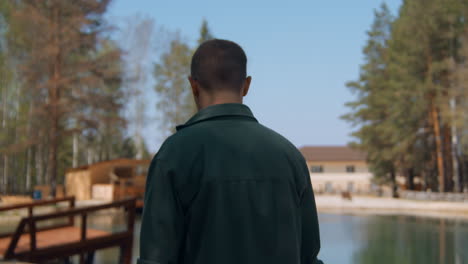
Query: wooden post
point(83, 235)
point(85, 247)
point(30, 211)
point(72, 217)
point(126, 249)
point(32, 234)
point(131, 215)
point(83, 226)
point(14, 240)
point(126, 252)
point(90, 258)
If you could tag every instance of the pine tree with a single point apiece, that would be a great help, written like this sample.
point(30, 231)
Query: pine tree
point(371, 109)
point(176, 102)
point(459, 107)
point(404, 93)
point(57, 46)
point(424, 46)
point(205, 33)
point(175, 98)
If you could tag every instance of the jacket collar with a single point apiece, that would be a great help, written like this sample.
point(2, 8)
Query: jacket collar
point(219, 110)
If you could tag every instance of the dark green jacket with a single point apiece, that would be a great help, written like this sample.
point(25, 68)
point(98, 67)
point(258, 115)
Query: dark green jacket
point(226, 190)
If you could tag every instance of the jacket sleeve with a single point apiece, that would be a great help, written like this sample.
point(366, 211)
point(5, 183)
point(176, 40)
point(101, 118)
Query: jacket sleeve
point(162, 227)
point(310, 226)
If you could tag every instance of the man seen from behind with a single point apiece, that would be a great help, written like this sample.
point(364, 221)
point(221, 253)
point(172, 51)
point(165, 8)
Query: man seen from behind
point(225, 189)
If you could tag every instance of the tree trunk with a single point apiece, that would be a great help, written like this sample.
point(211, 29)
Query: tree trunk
point(410, 179)
point(108, 145)
point(52, 179)
point(425, 179)
point(5, 107)
point(5, 173)
point(28, 169)
point(434, 117)
point(464, 173)
point(39, 163)
point(394, 184)
point(75, 150)
point(455, 151)
point(4, 124)
point(54, 103)
point(447, 145)
point(439, 153)
point(139, 146)
point(90, 155)
point(14, 174)
point(29, 154)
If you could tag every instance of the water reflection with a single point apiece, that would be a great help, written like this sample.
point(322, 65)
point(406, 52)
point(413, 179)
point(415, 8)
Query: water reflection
point(393, 239)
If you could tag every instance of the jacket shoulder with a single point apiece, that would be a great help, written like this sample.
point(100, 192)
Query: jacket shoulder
point(284, 143)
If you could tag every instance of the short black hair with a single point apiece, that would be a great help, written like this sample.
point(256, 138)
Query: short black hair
point(219, 64)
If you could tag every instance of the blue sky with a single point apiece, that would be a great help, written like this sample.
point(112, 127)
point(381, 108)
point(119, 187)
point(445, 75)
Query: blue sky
point(301, 54)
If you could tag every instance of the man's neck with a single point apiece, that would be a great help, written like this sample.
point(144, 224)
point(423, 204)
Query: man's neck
point(227, 98)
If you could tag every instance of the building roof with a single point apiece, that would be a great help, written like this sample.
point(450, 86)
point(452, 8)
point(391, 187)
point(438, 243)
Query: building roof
point(332, 153)
point(114, 162)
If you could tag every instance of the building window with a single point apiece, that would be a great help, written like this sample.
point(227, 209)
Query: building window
point(316, 168)
point(350, 169)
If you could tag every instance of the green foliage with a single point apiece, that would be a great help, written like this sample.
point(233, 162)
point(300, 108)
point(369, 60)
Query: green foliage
point(205, 33)
point(372, 108)
point(176, 104)
point(62, 93)
point(64, 83)
point(402, 111)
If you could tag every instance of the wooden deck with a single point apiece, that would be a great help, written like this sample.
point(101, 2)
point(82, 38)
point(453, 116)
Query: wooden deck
point(50, 238)
point(29, 243)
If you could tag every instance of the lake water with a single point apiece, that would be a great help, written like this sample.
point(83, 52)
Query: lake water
point(368, 239)
point(361, 239)
point(358, 239)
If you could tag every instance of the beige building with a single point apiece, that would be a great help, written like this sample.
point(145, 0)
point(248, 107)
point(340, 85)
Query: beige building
point(334, 169)
point(107, 180)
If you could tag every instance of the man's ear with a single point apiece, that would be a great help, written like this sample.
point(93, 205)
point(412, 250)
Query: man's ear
point(245, 88)
point(195, 86)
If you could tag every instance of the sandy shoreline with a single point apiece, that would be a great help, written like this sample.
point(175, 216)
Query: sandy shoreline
point(390, 206)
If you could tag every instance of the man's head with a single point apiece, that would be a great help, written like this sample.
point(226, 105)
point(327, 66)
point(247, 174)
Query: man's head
point(219, 73)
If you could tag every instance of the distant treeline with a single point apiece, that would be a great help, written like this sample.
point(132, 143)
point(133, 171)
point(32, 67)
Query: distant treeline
point(65, 83)
point(411, 109)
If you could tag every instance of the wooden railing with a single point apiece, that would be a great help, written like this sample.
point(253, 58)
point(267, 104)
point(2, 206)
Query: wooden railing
point(30, 207)
point(85, 245)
